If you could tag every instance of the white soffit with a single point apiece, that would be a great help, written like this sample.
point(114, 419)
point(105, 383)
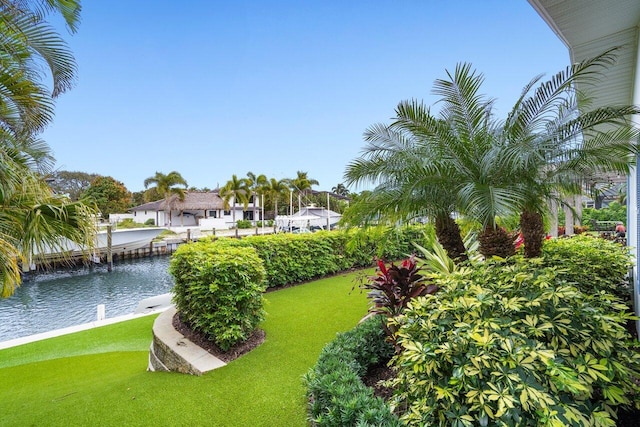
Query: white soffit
point(589, 27)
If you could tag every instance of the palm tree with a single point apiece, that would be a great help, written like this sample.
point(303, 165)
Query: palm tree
point(32, 219)
point(340, 190)
point(439, 165)
point(255, 184)
point(167, 186)
point(558, 142)
point(236, 189)
point(275, 189)
point(28, 40)
point(302, 184)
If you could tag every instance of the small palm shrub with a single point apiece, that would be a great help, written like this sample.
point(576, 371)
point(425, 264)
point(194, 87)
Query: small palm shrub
point(218, 291)
point(591, 263)
point(513, 344)
point(337, 396)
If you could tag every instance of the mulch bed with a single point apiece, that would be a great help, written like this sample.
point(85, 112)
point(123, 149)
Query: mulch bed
point(375, 375)
point(202, 341)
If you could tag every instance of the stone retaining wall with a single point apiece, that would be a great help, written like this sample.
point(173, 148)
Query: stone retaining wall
point(171, 351)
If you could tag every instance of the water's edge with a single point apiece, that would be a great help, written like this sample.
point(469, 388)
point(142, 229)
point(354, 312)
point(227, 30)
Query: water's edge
point(54, 301)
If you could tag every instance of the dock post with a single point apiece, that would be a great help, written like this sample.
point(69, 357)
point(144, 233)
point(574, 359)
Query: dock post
point(188, 235)
point(109, 253)
point(101, 312)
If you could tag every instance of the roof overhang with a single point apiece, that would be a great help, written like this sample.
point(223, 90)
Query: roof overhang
point(588, 28)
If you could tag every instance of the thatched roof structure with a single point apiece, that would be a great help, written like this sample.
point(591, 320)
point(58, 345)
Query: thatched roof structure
point(193, 201)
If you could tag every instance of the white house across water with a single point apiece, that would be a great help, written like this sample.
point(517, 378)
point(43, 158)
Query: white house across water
point(206, 210)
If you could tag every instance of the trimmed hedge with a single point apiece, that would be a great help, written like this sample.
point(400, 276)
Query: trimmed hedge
point(218, 291)
point(337, 396)
point(295, 258)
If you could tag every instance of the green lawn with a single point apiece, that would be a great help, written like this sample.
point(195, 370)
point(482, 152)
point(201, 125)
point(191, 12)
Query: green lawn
point(98, 377)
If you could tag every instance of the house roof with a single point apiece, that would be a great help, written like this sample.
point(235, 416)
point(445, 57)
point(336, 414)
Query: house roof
point(588, 28)
point(193, 201)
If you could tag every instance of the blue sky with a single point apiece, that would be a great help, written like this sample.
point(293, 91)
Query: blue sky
point(211, 88)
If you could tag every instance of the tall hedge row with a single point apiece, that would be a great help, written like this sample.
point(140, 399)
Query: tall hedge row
point(294, 258)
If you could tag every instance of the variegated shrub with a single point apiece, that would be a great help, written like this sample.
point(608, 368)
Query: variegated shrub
point(511, 344)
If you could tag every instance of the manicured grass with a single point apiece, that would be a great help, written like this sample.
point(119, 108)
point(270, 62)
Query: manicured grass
point(99, 377)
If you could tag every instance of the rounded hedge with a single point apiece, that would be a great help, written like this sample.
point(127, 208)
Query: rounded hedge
point(218, 291)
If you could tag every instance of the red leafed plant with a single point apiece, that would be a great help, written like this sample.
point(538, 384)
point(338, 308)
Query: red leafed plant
point(391, 289)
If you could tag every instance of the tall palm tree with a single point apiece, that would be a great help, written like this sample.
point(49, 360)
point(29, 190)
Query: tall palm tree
point(168, 185)
point(302, 184)
point(275, 189)
point(558, 141)
point(236, 190)
point(340, 190)
point(255, 185)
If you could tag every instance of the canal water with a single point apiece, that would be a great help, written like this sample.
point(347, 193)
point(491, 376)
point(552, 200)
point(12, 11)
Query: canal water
point(58, 299)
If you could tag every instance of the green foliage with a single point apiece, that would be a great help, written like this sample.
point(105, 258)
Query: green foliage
point(591, 264)
point(614, 212)
point(150, 222)
point(383, 242)
point(243, 224)
point(337, 396)
point(218, 291)
point(71, 183)
point(513, 344)
point(294, 258)
point(109, 195)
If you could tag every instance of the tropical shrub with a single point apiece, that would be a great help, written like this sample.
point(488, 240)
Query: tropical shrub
point(392, 288)
point(150, 222)
point(513, 344)
point(337, 396)
point(614, 212)
point(218, 291)
point(243, 224)
point(590, 263)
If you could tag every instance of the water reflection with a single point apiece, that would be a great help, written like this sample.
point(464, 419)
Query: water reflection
point(59, 299)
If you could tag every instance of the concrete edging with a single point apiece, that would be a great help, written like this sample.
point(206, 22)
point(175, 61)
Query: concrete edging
point(173, 352)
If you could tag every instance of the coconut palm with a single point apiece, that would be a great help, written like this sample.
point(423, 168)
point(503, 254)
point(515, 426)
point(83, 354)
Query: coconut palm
point(302, 184)
point(558, 141)
point(255, 184)
point(340, 190)
point(167, 186)
point(236, 189)
point(275, 189)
